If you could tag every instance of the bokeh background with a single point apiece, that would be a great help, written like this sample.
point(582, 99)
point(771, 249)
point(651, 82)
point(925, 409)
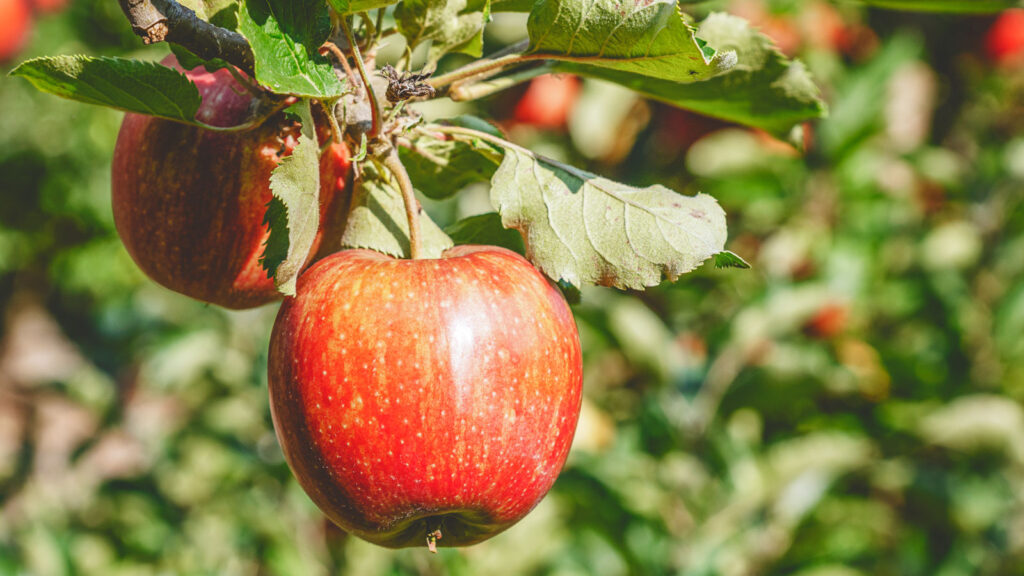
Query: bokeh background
point(850, 406)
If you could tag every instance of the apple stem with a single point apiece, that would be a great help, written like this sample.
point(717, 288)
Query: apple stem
point(412, 208)
point(432, 539)
point(336, 131)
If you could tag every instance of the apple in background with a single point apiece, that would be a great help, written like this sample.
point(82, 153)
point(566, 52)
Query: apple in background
point(189, 203)
point(828, 321)
point(548, 101)
point(15, 27)
point(49, 6)
point(425, 401)
point(1004, 42)
point(677, 129)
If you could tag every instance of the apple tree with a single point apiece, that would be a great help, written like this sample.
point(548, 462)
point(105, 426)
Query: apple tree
point(284, 144)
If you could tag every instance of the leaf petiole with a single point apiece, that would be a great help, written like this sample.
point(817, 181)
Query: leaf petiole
point(482, 68)
point(502, 143)
point(469, 89)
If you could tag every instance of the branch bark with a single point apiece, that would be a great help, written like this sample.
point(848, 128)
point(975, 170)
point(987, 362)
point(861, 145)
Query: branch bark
point(167, 21)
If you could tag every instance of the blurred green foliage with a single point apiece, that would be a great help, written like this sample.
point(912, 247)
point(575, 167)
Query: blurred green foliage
point(851, 406)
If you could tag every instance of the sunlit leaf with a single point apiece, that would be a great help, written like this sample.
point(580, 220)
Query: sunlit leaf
point(130, 85)
point(285, 36)
point(647, 38)
point(764, 89)
point(585, 229)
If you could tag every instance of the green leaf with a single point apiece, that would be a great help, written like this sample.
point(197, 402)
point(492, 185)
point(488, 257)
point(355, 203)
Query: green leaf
point(649, 38)
point(356, 6)
point(571, 293)
point(450, 26)
point(584, 229)
point(377, 219)
point(190, 61)
point(763, 90)
point(223, 13)
point(512, 5)
point(130, 85)
point(485, 229)
point(727, 259)
point(285, 36)
point(952, 6)
point(441, 167)
point(295, 184)
point(275, 249)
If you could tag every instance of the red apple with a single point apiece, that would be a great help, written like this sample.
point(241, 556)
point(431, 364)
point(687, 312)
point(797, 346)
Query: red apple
point(828, 322)
point(1005, 39)
point(189, 202)
point(49, 6)
point(548, 101)
point(416, 396)
point(15, 26)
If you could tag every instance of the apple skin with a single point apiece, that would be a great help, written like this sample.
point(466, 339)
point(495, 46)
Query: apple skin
point(49, 6)
point(15, 26)
point(548, 101)
point(189, 203)
point(414, 395)
point(1004, 42)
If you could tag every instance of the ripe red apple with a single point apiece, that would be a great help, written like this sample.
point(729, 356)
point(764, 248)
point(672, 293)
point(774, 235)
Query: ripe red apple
point(15, 26)
point(1004, 42)
point(548, 101)
point(416, 396)
point(189, 202)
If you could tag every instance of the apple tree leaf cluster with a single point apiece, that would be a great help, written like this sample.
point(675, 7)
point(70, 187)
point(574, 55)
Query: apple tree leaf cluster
point(642, 42)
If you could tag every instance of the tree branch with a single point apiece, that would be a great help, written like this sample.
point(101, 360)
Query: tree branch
point(167, 21)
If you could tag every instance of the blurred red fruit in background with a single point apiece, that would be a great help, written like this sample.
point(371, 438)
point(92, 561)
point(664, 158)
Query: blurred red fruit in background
point(15, 26)
point(1004, 42)
point(49, 6)
point(548, 101)
point(828, 322)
